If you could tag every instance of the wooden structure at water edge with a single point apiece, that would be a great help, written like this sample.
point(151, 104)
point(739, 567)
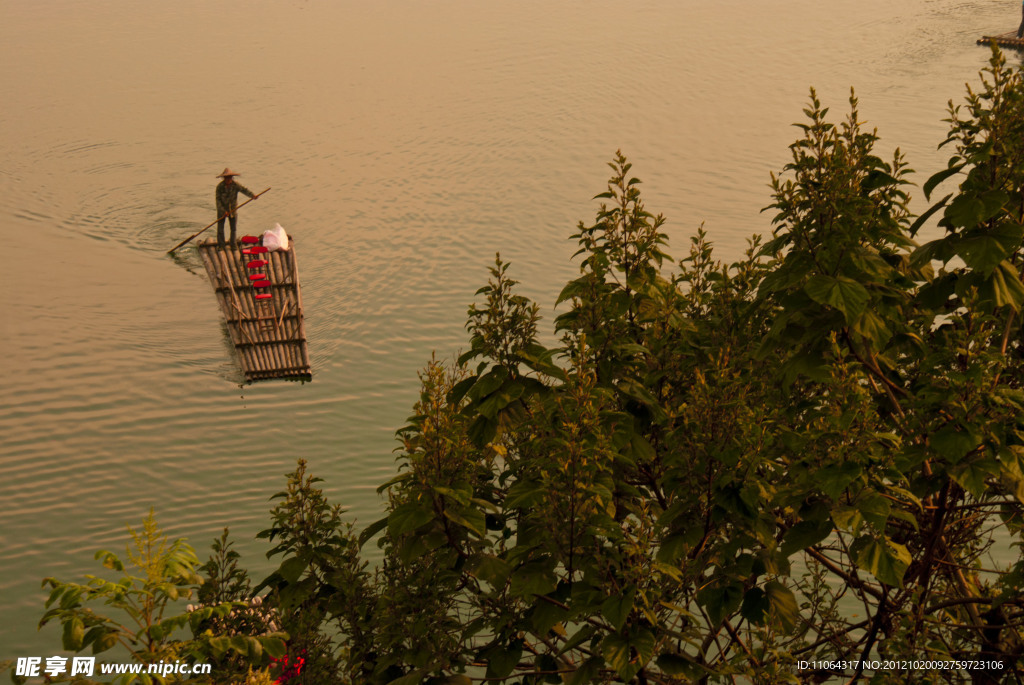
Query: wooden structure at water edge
point(259, 295)
point(1004, 40)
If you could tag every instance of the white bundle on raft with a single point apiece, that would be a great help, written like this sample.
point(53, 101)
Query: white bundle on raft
point(275, 239)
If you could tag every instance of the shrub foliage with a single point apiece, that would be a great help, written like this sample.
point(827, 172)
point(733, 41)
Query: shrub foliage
point(814, 454)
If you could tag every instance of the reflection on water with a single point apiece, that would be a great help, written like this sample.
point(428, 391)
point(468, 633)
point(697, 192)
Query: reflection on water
point(405, 146)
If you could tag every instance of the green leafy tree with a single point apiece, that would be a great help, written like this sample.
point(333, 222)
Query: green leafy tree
point(722, 471)
point(320, 573)
point(145, 624)
point(814, 454)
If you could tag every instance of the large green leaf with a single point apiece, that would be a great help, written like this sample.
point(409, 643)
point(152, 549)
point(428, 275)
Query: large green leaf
point(408, 517)
point(616, 609)
point(983, 251)
point(587, 672)
point(968, 210)
point(292, 568)
point(491, 569)
point(469, 518)
point(875, 508)
point(921, 220)
point(845, 294)
point(615, 650)
point(680, 664)
point(783, 604)
point(884, 559)
point(835, 478)
point(534, 578)
point(1006, 289)
point(973, 474)
point(805, 534)
point(953, 442)
point(74, 633)
point(720, 601)
point(755, 606)
point(627, 655)
point(501, 660)
point(939, 177)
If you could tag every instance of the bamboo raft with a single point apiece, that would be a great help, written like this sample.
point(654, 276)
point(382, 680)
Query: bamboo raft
point(269, 334)
point(1004, 40)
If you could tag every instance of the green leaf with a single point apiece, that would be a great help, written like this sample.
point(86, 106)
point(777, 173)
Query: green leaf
point(972, 475)
point(572, 289)
point(482, 430)
point(292, 568)
point(875, 508)
point(920, 221)
point(371, 530)
point(546, 616)
point(240, 644)
point(581, 636)
point(109, 560)
point(274, 646)
point(680, 665)
point(884, 559)
point(459, 390)
point(756, 606)
point(524, 495)
point(876, 179)
point(616, 609)
point(588, 672)
point(642, 450)
point(470, 519)
point(74, 633)
point(984, 251)
point(616, 651)
point(808, 364)
point(720, 601)
point(104, 642)
point(805, 534)
point(953, 442)
point(488, 383)
point(871, 328)
point(1006, 287)
point(501, 660)
point(939, 177)
point(492, 570)
point(783, 604)
point(408, 517)
point(534, 578)
point(968, 211)
point(834, 479)
point(845, 294)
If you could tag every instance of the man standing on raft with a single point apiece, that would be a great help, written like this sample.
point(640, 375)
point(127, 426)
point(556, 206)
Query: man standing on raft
point(227, 203)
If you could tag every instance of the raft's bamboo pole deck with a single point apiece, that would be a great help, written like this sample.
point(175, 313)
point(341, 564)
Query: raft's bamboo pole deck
point(270, 341)
point(1004, 40)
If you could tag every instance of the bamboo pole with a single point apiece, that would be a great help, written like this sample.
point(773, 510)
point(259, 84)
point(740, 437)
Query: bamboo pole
point(298, 303)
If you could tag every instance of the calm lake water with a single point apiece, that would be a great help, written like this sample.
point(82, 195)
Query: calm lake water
point(405, 143)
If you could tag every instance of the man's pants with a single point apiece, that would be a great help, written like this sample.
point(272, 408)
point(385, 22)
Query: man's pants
point(220, 229)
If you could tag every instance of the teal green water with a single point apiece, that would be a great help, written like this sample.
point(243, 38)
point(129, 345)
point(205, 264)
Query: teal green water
point(405, 143)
